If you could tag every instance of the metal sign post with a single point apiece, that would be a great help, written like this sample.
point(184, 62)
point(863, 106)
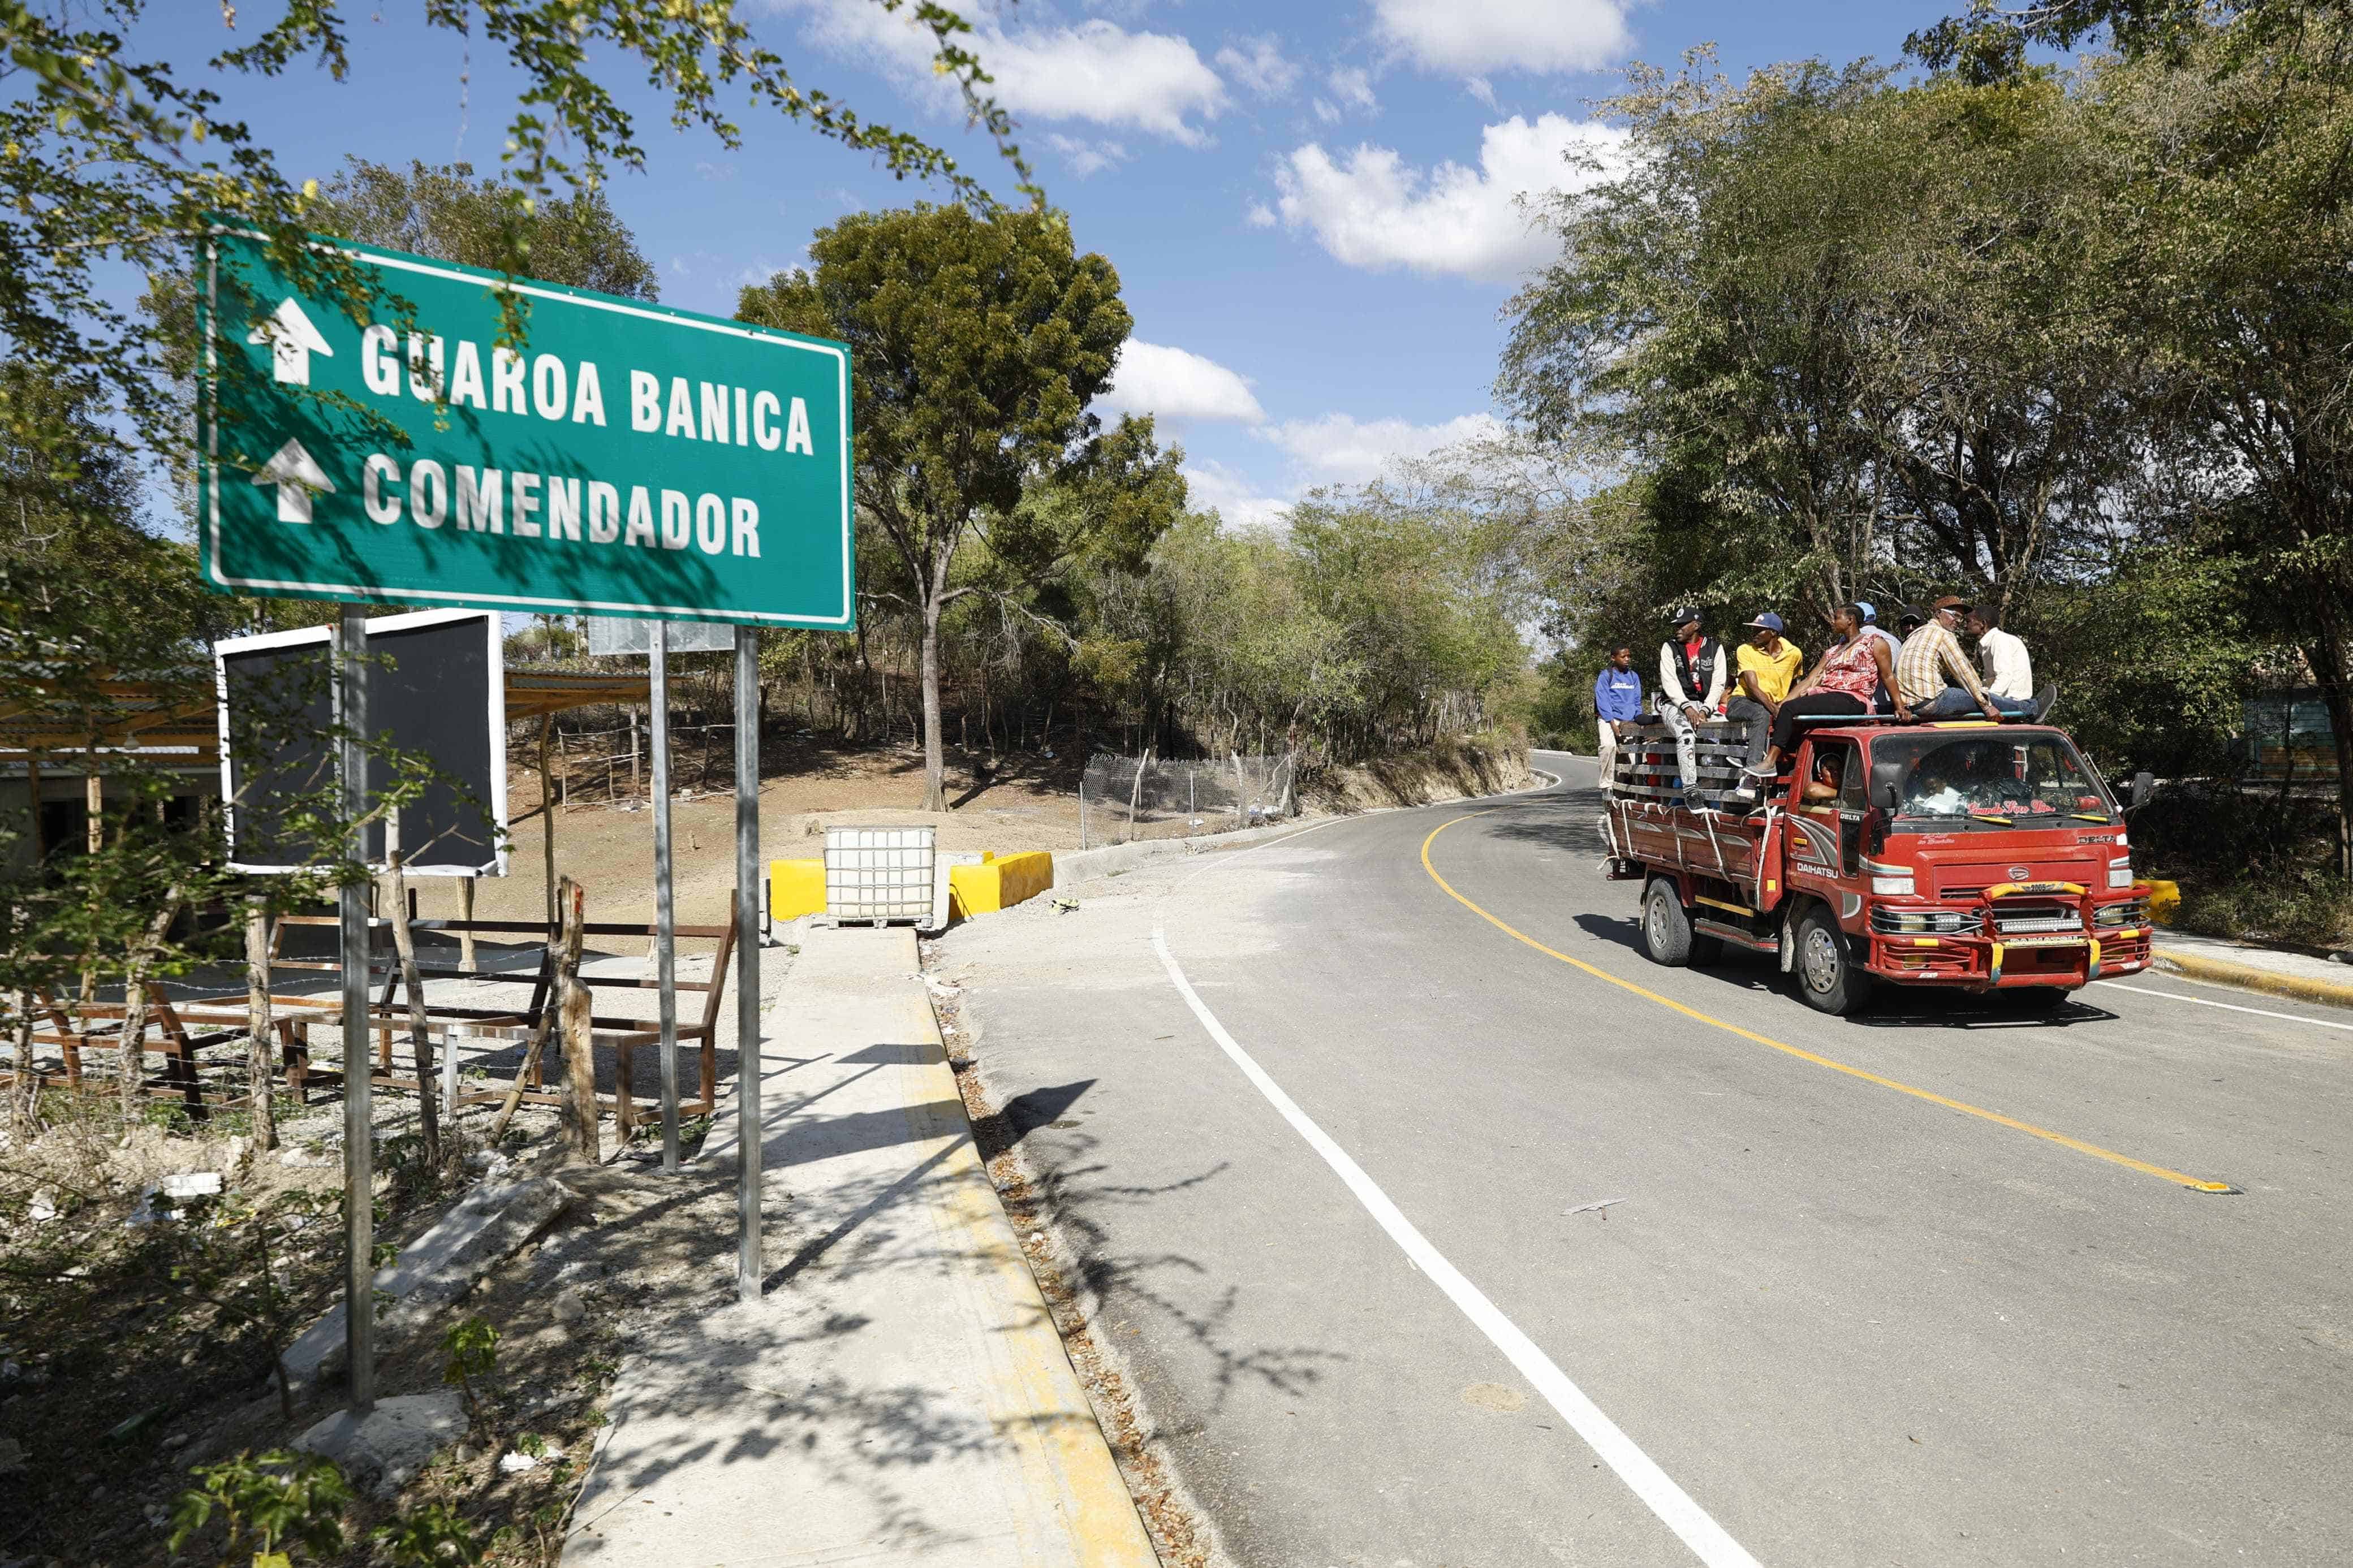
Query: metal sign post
point(359, 1176)
point(665, 901)
point(748, 1268)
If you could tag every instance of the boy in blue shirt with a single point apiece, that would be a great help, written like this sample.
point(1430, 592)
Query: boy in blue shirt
point(1617, 700)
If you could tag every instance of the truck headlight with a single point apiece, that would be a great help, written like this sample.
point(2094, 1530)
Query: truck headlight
point(2120, 873)
point(1889, 878)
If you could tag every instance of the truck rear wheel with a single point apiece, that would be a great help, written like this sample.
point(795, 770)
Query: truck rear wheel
point(1666, 924)
point(1828, 979)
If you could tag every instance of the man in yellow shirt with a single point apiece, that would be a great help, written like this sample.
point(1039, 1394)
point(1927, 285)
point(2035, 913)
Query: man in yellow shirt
point(1768, 667)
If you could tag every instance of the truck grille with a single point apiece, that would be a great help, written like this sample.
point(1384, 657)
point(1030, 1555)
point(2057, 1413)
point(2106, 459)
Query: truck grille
point(2024, 919)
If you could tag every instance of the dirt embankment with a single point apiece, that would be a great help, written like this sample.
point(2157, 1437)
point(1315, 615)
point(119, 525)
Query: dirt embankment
point(1455, 772)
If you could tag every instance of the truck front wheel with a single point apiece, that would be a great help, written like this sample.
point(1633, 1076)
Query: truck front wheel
point(1666, 924)
point(1827, 978)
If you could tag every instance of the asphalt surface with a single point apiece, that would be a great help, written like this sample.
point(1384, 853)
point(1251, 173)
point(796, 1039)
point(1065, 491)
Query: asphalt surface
point(1850, 1325)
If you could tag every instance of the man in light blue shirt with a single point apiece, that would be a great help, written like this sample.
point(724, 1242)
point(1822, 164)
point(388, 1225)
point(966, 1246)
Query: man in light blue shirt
point(1617, 700)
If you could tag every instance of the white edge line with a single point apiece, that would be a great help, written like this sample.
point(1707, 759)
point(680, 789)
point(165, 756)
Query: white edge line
point(2226, 1007)
point(1709, 1541)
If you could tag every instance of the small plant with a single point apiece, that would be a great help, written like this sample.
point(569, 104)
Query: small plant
point(473, 1347)
point(269, 1506)
point(429, 1537)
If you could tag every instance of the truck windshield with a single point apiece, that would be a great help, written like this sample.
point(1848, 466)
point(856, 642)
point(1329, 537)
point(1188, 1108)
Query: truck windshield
point(1994, 780)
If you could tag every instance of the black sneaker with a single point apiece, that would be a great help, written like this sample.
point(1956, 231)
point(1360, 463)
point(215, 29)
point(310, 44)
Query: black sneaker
point(2044, 701)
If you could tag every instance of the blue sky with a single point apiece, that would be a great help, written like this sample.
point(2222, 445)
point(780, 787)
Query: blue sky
point(1310, 207)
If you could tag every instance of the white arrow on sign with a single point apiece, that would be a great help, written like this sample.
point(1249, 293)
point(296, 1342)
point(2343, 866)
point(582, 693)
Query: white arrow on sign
point(293, 341)
point(298, 476)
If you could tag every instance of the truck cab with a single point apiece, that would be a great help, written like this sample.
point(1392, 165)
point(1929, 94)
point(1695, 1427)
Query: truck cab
point(1967, 856)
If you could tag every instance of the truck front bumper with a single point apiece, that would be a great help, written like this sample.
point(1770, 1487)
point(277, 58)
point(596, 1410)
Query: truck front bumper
point(1979, 963)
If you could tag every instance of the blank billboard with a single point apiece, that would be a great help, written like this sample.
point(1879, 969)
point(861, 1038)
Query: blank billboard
point(435, 685)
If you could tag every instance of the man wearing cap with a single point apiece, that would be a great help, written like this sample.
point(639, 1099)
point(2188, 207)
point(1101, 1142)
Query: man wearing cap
point(1768, 664)
point(1617, 702)
point(1937, 681)
point(1690, 686)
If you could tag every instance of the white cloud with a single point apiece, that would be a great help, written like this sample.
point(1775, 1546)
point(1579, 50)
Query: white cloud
point(1212, 485)
point(1258, 215)
point(1327, 111)
point(1258, 64)
point(1087, 157)
point(1368, 208)
point(1470, 37)
point(1095, 71)
point(1341, 450)
point(1177, 385)
point(1352, 85)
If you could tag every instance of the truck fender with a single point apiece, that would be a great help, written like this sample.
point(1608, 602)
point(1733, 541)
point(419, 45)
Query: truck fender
point(1793, 910)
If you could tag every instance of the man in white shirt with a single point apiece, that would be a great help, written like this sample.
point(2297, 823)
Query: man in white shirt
point(2001, 656)
point(1690, 686)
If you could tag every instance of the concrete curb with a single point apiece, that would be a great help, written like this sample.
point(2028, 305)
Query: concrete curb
point(2195, 967)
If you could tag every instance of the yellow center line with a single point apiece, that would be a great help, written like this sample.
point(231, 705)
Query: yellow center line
point(2062, 1140)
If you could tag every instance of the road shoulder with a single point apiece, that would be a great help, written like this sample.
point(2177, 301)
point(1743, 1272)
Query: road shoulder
point(900, 1395)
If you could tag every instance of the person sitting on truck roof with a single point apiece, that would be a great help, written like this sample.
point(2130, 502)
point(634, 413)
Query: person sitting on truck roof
point(2002, 659)
point(1691, 687)
point(1935, 680)
point(1769, 662)
point(1845, 682)
point(1886, 702)
point(1617, 703)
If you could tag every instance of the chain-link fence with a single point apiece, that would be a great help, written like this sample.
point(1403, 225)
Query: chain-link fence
point(1125, 798)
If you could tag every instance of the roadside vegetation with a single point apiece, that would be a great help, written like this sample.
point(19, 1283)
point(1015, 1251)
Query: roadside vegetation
point(2067, 334)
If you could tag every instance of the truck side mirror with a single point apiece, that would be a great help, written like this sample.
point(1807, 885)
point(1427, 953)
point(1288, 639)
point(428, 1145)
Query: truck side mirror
point(2144, 784)
point(1887, 785)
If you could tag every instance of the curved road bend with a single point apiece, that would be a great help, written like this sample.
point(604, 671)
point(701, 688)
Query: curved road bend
point(1829, 1322)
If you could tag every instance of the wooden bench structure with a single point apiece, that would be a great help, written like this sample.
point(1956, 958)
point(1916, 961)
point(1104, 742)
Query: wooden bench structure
point(181, 1030)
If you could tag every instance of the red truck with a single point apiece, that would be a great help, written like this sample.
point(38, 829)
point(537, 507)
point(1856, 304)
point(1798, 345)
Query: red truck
point(1965, 855)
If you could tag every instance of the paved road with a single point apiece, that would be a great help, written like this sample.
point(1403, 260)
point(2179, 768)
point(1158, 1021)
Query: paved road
point(1832, 1322)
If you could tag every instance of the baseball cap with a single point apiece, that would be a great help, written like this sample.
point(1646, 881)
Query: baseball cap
point(1769, 621)
point(1683, 616)
point(1909, 614)
point(1951, 602)
point(1870, 611)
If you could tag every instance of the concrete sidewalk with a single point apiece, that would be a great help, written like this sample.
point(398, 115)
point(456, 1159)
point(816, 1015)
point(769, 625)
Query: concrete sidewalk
point(900, 1395)
point(2295, 975)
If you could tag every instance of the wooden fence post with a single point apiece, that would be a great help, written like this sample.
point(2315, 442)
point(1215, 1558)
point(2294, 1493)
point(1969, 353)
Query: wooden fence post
point(579, 1041)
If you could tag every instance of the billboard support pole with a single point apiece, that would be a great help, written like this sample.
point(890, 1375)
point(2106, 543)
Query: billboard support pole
point(665, 905)
point(359, 1216)
point(748, 959)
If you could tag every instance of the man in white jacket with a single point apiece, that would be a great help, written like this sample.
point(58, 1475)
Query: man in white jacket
point(2002, 656)
point(1692, 669)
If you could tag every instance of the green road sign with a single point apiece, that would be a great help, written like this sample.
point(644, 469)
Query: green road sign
point(623, 459)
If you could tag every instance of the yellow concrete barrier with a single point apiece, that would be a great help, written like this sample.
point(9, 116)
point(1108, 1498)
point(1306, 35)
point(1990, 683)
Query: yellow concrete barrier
point(999, 882)
point(796, 887)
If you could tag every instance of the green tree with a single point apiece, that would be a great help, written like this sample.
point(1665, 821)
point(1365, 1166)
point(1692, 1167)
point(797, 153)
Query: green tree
point(980, 339)
point(1868, 336)
point(578, 240)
